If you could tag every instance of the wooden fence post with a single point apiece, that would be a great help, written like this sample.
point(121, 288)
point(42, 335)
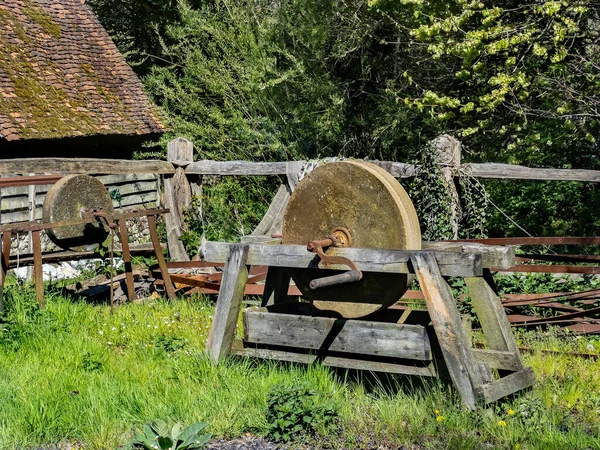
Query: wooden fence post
point(178, 195)
point(448, 150)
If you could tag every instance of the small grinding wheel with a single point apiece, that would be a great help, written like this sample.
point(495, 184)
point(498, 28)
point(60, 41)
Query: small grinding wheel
point(368, 202)
point(66, 200)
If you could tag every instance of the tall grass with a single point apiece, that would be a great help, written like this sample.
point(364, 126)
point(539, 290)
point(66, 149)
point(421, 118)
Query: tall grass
point(76, 372)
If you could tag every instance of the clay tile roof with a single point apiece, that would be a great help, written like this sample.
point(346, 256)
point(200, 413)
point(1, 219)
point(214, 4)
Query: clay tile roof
point(62, 76)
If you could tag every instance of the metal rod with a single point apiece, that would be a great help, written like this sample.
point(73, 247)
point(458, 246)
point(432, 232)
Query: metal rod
point(29, 180)
point(350, 276)
point(560, 240)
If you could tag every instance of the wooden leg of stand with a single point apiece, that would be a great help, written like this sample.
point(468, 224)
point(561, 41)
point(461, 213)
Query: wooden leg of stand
point(6, 241)
point(127, 259)
point(38, 275)
point(276, 286)
point(494, 323)
point(452, 338)
point(229, 302)
point(5, 261)
point(160, 258)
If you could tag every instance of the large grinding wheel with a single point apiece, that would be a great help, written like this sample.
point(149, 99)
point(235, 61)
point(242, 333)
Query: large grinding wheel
point(66, 200)
point(377, 212)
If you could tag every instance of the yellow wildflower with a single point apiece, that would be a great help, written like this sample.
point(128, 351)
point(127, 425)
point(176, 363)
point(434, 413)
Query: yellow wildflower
point(437, 412)
point(439, 418)
point(510, 412)
point(502, 423)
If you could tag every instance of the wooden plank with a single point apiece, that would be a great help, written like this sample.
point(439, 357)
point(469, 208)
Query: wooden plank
point(128, 178)
point(500, 256)
point(208, 167)
point(336, 335)
point(497, 359)
point(496, 327)
point(367, 260)
point(397, 169)
point(451, 336)
point(134, 187)
point(334, 361)
point(496, 256)
point(139, 200)
point(83, 165)
point(260, 239)
point(515, 172)
point(229, 302)
point(510, 384)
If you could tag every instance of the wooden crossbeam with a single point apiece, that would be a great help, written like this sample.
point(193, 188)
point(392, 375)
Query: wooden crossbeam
point(336, 335)
point(451, 264)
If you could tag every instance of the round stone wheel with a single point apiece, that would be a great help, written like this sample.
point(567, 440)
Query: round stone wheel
point(65, 201)
point(367, 201)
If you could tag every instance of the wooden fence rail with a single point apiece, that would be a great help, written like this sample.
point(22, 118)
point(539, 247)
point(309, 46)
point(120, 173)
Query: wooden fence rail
point(65, 166)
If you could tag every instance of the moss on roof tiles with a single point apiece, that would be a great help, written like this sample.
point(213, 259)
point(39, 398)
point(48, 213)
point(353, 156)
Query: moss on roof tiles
point(42, 18)
point(47, 92)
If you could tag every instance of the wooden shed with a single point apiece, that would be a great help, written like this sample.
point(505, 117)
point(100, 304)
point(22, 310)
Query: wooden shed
point(65, 90)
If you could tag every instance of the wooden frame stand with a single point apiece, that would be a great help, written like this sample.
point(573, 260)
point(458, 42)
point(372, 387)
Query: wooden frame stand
point(120, 225)
point(436, 343)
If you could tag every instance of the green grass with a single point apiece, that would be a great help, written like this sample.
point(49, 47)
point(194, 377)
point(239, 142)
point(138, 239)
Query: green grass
point(78, 373)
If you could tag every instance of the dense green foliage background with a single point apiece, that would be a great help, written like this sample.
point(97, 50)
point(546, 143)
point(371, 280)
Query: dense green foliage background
point(516, 82)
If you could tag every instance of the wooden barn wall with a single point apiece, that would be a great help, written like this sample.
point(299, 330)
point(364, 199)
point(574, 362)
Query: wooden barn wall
point(136, 191)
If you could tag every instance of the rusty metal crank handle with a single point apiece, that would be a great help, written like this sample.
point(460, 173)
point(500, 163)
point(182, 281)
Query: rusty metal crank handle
point(350, 276)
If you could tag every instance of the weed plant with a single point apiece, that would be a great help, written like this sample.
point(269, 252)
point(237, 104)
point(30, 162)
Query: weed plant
point(74, 372)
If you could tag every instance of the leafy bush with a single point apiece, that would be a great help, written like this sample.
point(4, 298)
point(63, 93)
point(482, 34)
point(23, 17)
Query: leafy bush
point(157, 436)
point(293, 410)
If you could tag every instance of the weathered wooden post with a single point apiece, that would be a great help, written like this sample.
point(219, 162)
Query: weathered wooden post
point(178, 195)
point(448, 151)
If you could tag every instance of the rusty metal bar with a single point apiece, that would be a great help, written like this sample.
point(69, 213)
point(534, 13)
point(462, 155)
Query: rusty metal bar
point(343, 278)
point(560, 258)
point(38, 275)
point(38, 226)
point(160, 258)
point(511, 299)
point(589, 313)
point(124, 235)
point(560, 240)
point(192, 264)
point(546, 268)
point(35, 180)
